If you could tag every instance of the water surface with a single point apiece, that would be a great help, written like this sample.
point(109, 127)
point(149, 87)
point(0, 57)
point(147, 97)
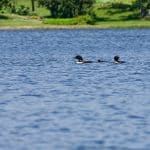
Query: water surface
point(49, 102)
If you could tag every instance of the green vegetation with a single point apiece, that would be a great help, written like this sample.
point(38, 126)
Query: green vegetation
point(5, 3)
point(67, 8)
point(106, 14)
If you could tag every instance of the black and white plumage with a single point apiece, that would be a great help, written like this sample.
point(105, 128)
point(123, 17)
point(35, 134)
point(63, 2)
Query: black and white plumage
point(80, 60)
point(117, 60)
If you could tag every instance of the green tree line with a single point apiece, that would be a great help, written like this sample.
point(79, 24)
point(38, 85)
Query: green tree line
point(73, 8)
point(67, 8)
point(5, 3)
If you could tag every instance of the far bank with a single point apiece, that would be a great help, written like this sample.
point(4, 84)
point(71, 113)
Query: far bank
point(101, 25)
point(113, 14)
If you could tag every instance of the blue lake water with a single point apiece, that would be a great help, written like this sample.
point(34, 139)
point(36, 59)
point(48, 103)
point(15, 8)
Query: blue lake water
point(47, 102)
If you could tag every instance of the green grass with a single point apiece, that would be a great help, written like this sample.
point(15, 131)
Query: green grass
point(105, 17)
point(116, 15)
point(40, 11)
point(81, 20)
point(71, 21)
point(124, 24)
point(122, 1)
point(16, 20)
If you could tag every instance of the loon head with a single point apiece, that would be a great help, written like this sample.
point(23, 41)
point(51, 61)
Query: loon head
point(79, 58)
point(116, 58)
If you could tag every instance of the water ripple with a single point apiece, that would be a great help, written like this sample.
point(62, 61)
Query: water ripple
point(49, 102)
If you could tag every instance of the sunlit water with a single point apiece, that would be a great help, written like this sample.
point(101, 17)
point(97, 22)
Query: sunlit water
point(47, 102)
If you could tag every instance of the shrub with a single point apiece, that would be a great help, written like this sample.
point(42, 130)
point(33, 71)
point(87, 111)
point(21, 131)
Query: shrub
point(87, 19)
point(5, 3)
point(23, 10)
point(13, 9)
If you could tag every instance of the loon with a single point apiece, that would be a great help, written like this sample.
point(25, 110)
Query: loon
point(117, 61)
point(80, 60)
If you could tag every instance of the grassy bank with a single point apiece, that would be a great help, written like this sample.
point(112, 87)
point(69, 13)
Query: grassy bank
point(105, 17)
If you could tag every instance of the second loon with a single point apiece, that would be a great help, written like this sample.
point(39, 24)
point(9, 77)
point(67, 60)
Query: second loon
point(117, 60)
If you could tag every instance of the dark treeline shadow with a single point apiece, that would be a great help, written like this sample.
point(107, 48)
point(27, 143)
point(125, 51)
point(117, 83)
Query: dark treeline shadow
point(48, 17)
point(117, 11)
point(101, 19)
point(135, 16)
point(122, 6)
point(3, 17)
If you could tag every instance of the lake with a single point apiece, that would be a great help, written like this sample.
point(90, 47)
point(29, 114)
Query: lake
point(48, 102)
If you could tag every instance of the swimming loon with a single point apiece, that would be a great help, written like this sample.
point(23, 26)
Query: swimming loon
point(79, 60)
point(117, 61)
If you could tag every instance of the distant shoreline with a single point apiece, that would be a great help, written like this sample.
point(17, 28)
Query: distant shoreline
point(116, 15)
point(69, 27)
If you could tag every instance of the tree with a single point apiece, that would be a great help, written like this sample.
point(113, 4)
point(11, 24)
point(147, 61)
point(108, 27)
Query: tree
point(67, 8)
point(143, 5)
point(84, 5)
point(5, 3)
point(33, 5)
